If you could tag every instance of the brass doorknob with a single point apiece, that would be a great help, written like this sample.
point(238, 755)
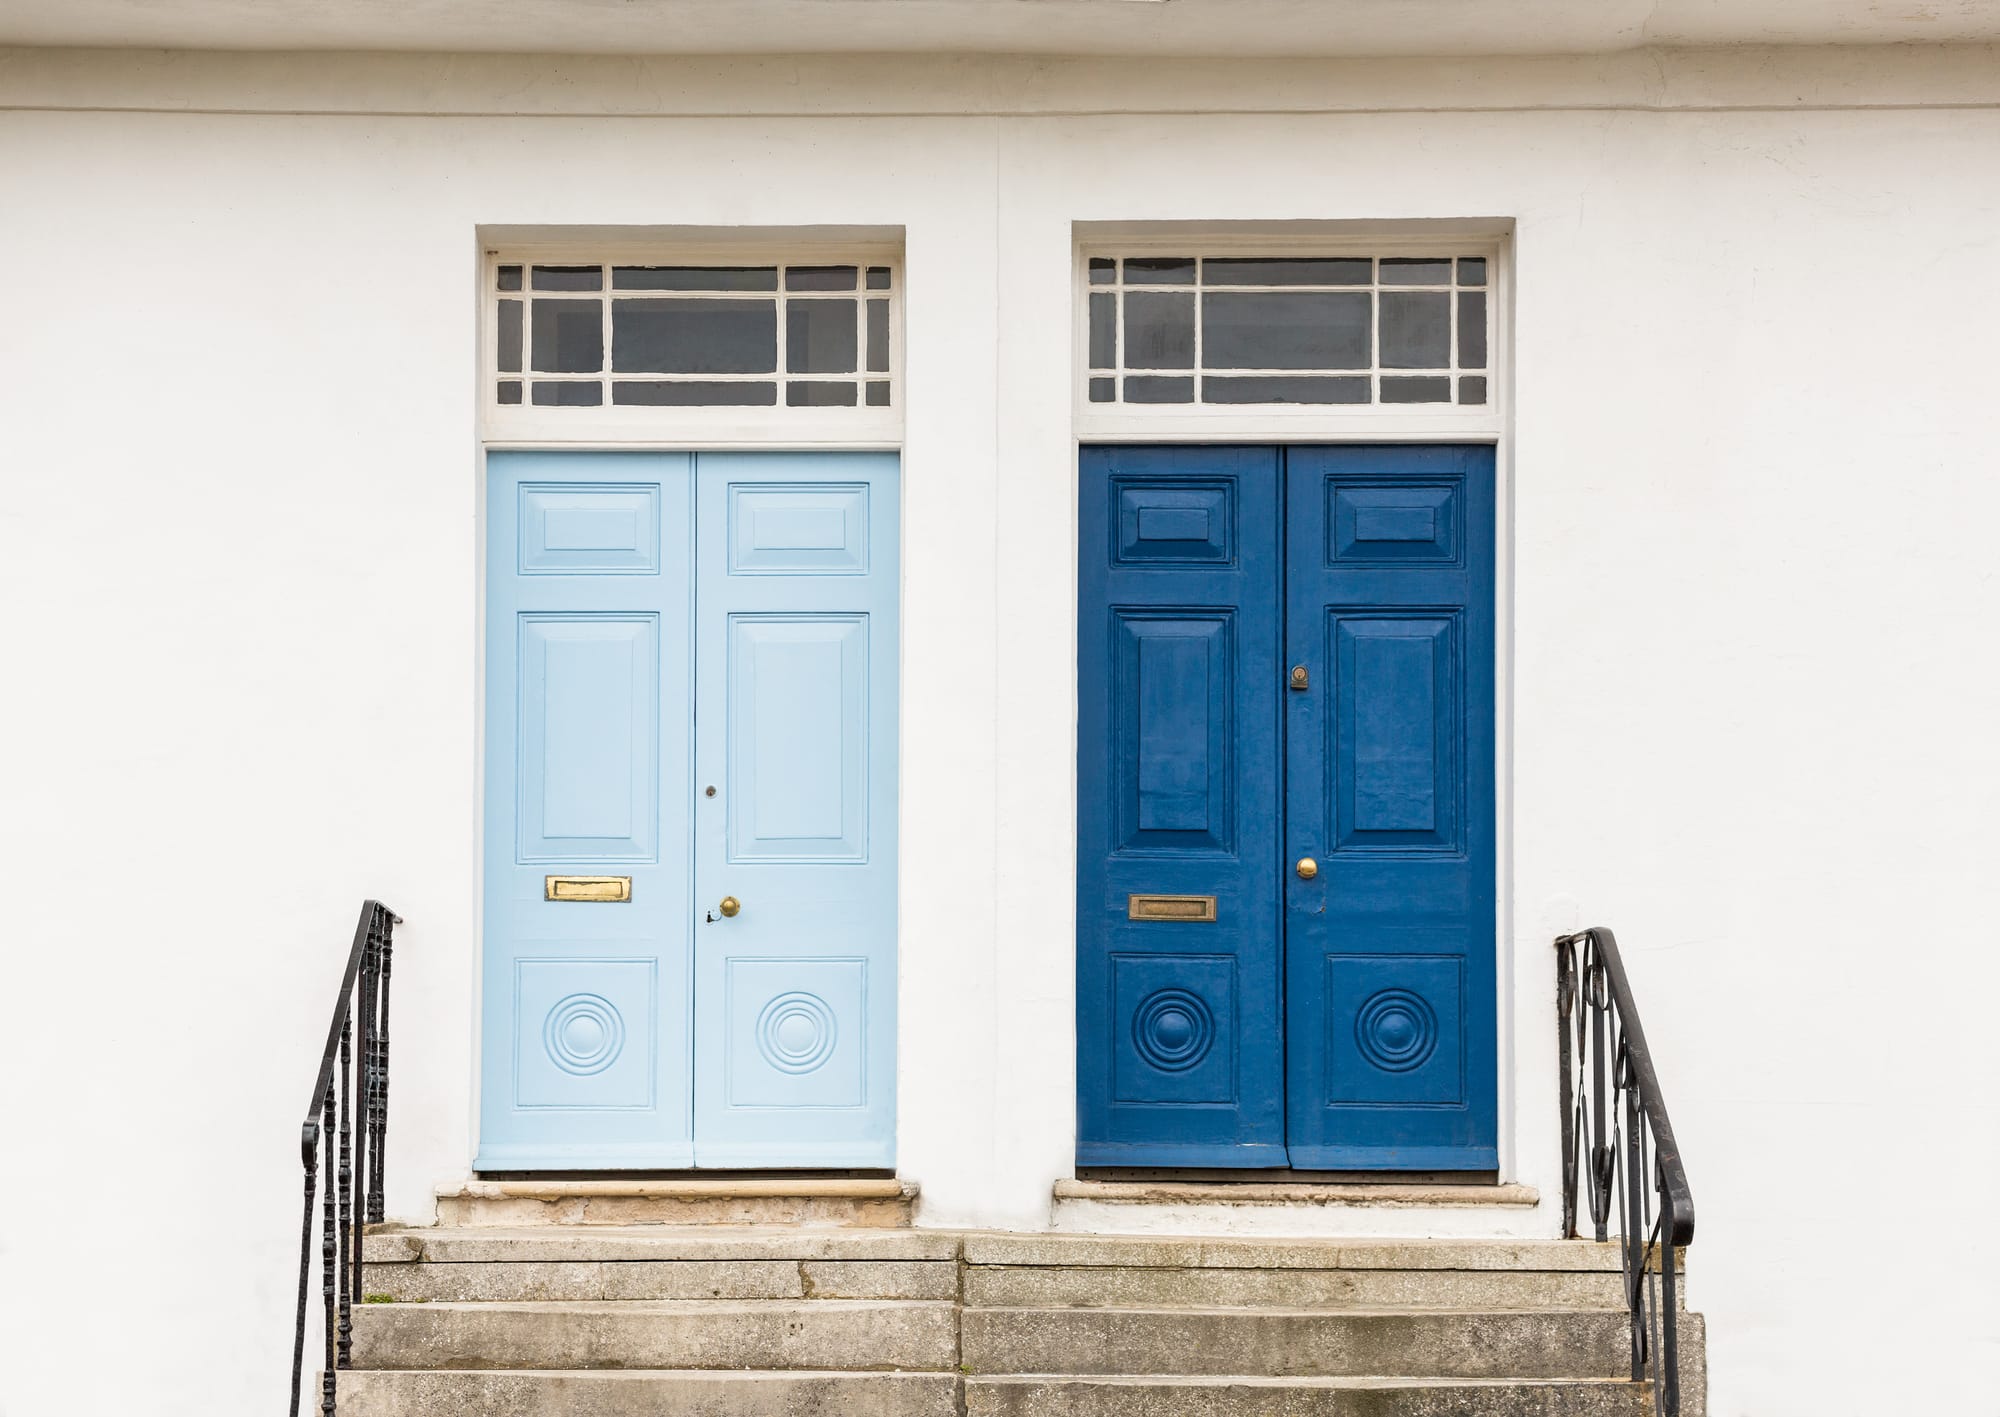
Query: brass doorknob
point(730, 905)
point(1307, 868)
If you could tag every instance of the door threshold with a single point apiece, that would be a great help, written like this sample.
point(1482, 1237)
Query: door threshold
point(1267, 1175)
point(684, 1184)
point(1400, 1193)
point(775, 1176)
point(683, 1199)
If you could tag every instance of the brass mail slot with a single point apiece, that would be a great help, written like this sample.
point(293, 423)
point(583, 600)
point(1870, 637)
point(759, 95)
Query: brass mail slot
point(1189, 908)
point(609, 888)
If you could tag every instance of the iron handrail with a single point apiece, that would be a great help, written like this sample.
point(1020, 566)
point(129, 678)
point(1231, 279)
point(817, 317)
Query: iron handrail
point(1618, 1139)
point(354, 1169)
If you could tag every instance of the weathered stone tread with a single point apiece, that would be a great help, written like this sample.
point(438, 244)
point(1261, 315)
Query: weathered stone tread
point(647, 1393)
point(824, 1334)
point(1180, 1396)
point(450, 1244)
point(1297, 1342)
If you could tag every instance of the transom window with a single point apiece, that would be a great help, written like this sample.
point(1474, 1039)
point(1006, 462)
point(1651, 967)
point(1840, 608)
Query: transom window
point(1316, 330)
point(749, 336)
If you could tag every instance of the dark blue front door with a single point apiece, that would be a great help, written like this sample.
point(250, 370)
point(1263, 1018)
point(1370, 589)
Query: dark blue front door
point(1286, 812)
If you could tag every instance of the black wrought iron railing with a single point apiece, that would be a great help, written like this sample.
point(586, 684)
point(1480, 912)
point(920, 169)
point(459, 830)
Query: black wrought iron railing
point(1619, 1150)
point(354, 1065)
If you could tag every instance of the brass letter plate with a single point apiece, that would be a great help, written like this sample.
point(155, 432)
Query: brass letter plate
point(1189, 908)
point(610, 888)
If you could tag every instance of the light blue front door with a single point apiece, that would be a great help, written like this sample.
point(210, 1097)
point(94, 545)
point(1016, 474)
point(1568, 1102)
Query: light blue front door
point(691, 695)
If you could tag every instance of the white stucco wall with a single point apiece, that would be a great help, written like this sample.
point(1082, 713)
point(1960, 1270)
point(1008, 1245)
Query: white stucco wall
point(1752, 606)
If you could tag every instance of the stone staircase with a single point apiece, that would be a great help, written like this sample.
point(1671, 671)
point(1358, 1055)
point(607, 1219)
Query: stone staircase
point(608, 1299)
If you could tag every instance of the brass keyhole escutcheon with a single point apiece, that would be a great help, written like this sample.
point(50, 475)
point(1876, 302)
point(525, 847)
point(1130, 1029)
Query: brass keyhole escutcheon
point(1307, 868)
point(730, 905)
point(1300, 679)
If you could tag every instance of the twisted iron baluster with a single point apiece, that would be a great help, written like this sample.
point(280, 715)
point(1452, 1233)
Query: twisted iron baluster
point(1670, 1357)
point(328, 1261)
point(305, 1274)
point(1603, 1156)
point(381, 1069)
point(1566, 1065)
point(346, 1285)
point(364, 1162)
point(1632, 1204)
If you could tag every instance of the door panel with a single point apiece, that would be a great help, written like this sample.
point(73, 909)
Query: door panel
point(797, 737)
point(588, 737)
point(585, 1042)
point(1178, 965)
point(797, 680)
point(1389, 786)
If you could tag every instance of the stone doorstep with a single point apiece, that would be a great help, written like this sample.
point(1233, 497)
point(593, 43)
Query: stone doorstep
point(650, 1392)
point(983, 1270)
point(1295, 1193)
point(817, 1334)
point(1277, 1342)
point(869, 1202)
point(551, 1244)
point(1106, 1287)
point(514, 1282)
point(718, 1188)
point(1200, 1396)
point(613, 1392)
point(939, 1337)
point(541, 1244)
point(1070, 1250)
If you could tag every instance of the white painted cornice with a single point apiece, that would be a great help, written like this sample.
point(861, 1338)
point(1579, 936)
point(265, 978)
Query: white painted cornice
point(1829, 77)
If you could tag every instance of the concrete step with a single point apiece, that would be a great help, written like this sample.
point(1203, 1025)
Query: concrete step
point(551, 1263)
point(1158, 1396)
point(541, 1244)
point(867, 1201)
point(827, 1334)
point(1297, 1342)
point(1279, 1208)
point(647, 1393)
point(1316, 1252)
point(1161, 1271)
point(518, 1282)
point(991, 1287)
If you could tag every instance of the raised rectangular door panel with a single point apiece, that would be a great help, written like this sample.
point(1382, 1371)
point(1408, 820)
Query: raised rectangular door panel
point(585, 1041)
point(797, 737)
point(1179, 1059)
point(587, 737)
point(796, 701)
point(1390, 948)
